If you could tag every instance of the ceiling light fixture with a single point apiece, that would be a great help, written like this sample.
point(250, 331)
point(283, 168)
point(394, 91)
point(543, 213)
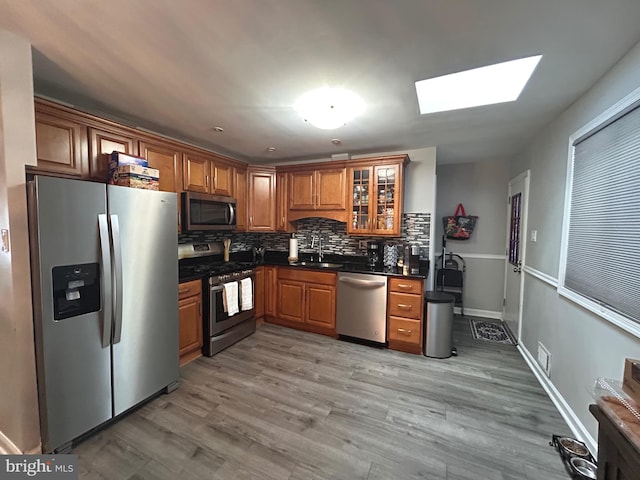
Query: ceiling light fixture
point(218, 129)
point(271, 149)
point(499, 83)
point(336, 141)
point(329, 108)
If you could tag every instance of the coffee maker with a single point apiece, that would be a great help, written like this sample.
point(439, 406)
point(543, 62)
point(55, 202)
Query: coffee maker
point(374, 254)
point(412, 258)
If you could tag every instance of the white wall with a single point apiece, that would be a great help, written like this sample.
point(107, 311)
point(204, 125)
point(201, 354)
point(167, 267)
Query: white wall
point(583, 346)
point(482, 189)
point(19, 424)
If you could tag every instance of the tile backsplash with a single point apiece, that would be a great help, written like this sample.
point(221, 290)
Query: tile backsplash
point(415, 230)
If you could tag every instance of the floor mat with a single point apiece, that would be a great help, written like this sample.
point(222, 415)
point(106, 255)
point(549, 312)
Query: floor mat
point(491, 332)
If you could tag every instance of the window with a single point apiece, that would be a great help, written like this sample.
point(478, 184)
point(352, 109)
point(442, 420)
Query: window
point(600, 260)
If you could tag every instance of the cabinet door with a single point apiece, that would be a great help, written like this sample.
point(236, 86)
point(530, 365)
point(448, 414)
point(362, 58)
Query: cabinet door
point(270, 290)
point(360, 187)
point(281, 202)
point(301, 192)
point(386, 201)
point(262, 201)
point(190, 318)
point(101, 144)
point(166, 159)
point(330, 189)
point(291, 301)
point(61, 145)
point(321, 305)
point(195, 173)
point(240, 191)
point(259, 292)
point(223, 179)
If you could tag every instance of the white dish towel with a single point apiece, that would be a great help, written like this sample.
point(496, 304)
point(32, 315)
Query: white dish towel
point(246, 294)
point(230, 298)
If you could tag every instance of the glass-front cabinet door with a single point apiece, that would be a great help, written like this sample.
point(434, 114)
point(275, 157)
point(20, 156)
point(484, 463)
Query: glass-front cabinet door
point(361, 180)
point(386, 214)
point(374, 199)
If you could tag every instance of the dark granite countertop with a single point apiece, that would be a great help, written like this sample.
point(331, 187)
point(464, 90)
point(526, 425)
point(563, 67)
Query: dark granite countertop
point(350, 263)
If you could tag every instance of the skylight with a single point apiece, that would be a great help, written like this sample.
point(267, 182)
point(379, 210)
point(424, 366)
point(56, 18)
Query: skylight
point(497, 83)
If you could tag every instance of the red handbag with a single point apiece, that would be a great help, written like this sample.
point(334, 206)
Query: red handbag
point(459, 226)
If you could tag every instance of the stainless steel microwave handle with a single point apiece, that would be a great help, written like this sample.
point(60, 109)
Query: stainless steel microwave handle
point(231, 214)
point(105, 250)
point(117, 257)
point(363, 283)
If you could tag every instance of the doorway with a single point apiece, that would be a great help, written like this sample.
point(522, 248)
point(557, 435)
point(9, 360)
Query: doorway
point(517, 208)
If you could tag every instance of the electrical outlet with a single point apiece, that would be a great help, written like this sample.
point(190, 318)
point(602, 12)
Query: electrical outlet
point(534, 236)
point(362, 244)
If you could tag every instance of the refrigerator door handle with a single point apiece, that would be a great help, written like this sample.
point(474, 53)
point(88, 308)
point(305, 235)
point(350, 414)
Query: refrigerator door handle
point(117, 264)
point(105, 250)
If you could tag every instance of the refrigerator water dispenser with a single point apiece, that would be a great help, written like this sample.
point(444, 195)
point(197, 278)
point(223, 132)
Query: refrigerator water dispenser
point(76, 290)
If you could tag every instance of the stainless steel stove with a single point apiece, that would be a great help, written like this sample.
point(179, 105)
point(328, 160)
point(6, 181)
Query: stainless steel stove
point(220, 328)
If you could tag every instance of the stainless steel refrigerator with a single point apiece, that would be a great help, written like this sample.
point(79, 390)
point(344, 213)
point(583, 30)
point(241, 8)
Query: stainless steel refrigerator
point(105, 296)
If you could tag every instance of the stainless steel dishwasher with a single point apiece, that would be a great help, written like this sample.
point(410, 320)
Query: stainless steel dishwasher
point(362, 306)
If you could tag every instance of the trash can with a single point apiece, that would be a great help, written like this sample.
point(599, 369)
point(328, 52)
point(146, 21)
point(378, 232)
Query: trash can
point(438, 329)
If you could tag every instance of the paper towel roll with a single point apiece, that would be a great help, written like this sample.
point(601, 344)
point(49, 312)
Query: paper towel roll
point(293, 249)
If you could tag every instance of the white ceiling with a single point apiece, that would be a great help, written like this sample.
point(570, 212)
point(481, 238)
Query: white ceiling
point(181, 67)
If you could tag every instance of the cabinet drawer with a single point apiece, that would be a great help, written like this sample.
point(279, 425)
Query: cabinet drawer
point(405, 285)
point(404, 330)
point(189, 289)
point(405, 305)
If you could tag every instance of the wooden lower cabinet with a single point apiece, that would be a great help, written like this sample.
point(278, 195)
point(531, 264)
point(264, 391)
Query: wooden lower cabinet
point(259, 292)
point(190, 318)
point(405, 314)
point(270, 291)
point(305, 300)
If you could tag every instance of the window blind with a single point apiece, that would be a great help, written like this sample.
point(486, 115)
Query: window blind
point(603, 249)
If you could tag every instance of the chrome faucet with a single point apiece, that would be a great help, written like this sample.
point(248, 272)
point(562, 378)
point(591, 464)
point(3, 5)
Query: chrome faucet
point(317, 237)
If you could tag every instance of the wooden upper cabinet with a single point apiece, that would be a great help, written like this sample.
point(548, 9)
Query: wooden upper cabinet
point(206, 174)
point(61, 144)
point(301, 190)
point(195, 173)
point(240, 189)
point(101, 144)
point(330, 187)
point(167, 160)
point(375, 196)
point(282, 211)
point(321, 189)
point(223, 179)
point(261, 206)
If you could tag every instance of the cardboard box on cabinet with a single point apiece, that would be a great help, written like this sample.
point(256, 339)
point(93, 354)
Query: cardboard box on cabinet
point(129, 171)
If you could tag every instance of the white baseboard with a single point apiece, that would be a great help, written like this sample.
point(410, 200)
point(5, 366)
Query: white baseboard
point(473, 312)
point(569, 416)
point(7, 447)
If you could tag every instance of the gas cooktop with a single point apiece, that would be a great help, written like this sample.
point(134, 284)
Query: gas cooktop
point(207, 269)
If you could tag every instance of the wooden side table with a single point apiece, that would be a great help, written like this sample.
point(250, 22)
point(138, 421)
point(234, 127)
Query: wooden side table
point(618, 446)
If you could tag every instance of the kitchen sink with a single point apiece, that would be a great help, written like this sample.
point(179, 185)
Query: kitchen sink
point(317, 264)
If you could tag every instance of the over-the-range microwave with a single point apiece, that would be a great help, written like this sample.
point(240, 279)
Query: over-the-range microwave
point(207, 212)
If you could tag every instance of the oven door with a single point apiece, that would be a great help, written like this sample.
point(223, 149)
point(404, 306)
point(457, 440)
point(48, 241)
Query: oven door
point(219, 320)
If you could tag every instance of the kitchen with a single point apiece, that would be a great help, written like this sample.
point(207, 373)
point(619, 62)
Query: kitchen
point(573, 389)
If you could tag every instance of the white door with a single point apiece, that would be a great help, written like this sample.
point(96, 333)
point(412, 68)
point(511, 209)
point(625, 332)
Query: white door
point(516, 249)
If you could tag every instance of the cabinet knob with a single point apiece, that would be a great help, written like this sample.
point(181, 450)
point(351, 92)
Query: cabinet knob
point(405, 286)
point(404, 331)
point(404, 306)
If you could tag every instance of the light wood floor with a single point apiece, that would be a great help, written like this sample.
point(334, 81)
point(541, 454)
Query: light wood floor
point(284, 404)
